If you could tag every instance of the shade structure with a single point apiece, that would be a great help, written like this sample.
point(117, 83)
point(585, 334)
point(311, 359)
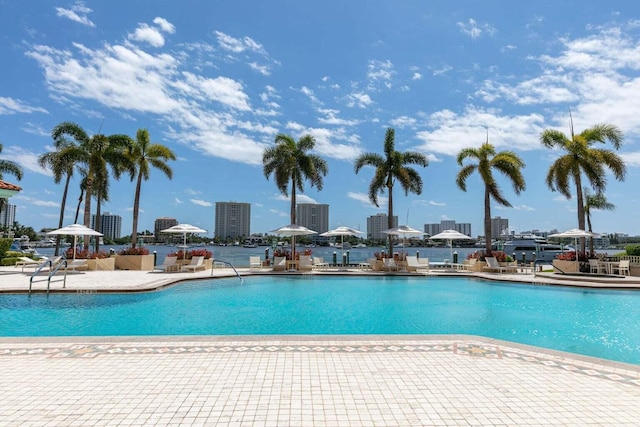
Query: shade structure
point(75, 230)
point(341, 231)
point(450, 236)
point(293, 230)
point(184, 229)
point(404, 231)
point(575, 234)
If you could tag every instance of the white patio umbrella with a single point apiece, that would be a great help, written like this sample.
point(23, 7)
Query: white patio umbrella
point(184, 229)
point(342, 231)
point(575, 233)
point(75, 230)
point(404, 231)
point(293, 230)
point(450, 235)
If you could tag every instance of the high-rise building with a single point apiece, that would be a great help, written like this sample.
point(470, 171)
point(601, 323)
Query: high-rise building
point(110, 225)
point(314, 216)
point(162, 224)
point(499, 227)
point(8, 215)
point(233, 220)
point(376, 224)
point(448, 224)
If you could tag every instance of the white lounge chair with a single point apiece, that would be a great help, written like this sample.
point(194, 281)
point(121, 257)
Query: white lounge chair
point(469, 264)
point(596, 266)
point(170, 263)
point(24, 261)
point(493, 265)
point(305, 263)
point(419, 265)
point(197, 263)
point(624, 267)
point(255, 262)
point(77, 264)
point(319, 263)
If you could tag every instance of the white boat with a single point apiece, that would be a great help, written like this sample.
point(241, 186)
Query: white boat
point(534, 248)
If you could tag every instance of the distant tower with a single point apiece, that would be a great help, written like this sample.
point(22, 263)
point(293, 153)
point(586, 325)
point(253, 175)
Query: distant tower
point(8, 215)
point(499, 227)
point(376, 224)
point(162, 224)
point(233, 220)
point(110, 225)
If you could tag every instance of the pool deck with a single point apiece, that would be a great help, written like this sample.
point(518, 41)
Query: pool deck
point(300, 380)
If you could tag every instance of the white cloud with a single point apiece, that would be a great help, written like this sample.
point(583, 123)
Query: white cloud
point(473, 30)
point(359, 99)
point(200, 202)
point(177, 201)
point(403, 121)
point(364, 199)
point(26, 159)
point(164, 25)
point(77, 13)
point(416, 76)
point(434, 203)
point(279, 213)
point(235, 45)
point(326, 144)
point(523, 208)
point(262, 69)
point(330, 118)
point(12, 106)
point(300, 198)
point(148, 34)
point(37, 202)
point(380, 72)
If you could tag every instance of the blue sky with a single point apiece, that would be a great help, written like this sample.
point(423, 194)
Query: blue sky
point(216, 81)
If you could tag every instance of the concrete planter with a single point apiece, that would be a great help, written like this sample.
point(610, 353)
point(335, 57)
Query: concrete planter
point(103, 264)
point(560, 266)
point(134, 262)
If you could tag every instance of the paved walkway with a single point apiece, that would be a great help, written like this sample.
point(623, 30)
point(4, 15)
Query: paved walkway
point(316, 380)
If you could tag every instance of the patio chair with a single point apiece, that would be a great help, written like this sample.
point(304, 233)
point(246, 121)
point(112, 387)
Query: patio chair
point(255, 262)
point(78, 264)
point(595, 266)
point(170, 263)
point(492, 265)
point(623, 267)
point(197, 263)
point(388, 264)
point(319, 264)
point(469, 264)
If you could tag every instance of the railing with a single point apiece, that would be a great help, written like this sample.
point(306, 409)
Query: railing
point(226, 263)
point(52, 271)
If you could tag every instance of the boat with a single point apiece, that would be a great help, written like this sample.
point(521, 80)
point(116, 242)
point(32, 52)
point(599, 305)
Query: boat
point(533, 247)
point(249, 245)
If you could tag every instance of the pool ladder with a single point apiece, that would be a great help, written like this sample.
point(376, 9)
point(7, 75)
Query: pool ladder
point(230, 265)
point(52, 272)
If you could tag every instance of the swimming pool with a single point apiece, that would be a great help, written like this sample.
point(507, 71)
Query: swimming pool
point(584, 321)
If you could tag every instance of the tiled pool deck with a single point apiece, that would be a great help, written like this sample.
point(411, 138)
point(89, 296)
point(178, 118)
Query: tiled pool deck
point(300, 380)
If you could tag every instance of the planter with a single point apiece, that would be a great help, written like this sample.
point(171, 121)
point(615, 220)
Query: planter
point(560, 266)
point(102, 264)
point(134, 262)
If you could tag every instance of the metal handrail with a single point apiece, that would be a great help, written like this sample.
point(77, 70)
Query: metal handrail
point(230, 265)
point(52, 271)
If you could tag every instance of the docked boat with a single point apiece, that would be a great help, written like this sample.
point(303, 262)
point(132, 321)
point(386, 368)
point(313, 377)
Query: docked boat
point(533, 248)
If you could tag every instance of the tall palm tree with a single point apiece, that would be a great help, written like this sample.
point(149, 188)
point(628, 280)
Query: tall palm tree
point(596, 201)
point(62, 166)
point(144, 154)
point(291, 164)
point(487, 160)
point(12, 168)
point(388, 169)
point(95, 153)
point(582, 158)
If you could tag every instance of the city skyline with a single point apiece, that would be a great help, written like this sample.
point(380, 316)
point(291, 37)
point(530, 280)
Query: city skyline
point(216, 84)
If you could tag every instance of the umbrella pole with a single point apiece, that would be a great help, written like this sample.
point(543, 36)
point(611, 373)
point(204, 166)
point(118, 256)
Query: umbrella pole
point(74, 247)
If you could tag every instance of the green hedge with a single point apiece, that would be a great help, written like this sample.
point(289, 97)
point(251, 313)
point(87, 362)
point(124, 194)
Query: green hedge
point(632, 250)
point(5, 245)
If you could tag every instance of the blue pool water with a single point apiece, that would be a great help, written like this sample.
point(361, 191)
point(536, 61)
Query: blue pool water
point(591, 322)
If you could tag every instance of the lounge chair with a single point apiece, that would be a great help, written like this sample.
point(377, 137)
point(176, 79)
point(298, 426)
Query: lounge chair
point(255, 262)
point(24, 261)
point(493, 265)
point(197, 263)
point(388, 264)
point(414, 264)
point(319, 263)
point(305, 263)
point(469, 264)
point(596, 266)
point(170, 264)
point(279, 263)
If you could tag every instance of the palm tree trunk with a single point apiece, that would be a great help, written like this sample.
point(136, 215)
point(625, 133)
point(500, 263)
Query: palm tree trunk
point(591, 251)
point(87, 209)
point(390, 219)
point(487, 221)
point(136, 207)
point(75, 221)
point(293, 217)
point(62, 206)
point(98, 223)
point(580, 201)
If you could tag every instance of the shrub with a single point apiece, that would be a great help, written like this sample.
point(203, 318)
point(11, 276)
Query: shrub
point(5, 245)
point(134, 251)
point(632, 250)
point(571, 256)
point(85, 254)
point(190, 254)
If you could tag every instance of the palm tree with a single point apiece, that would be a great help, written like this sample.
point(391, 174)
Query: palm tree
point(62, 165)
point(144, 154)
point(581, 157)
point(595, 201)
point(291, 164)
point(487, 159)
point(95, 153)
point(388, 169)
point(12, 168)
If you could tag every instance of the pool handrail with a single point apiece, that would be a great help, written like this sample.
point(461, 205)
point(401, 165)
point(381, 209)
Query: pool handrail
point(52, 271)
point(213, 263)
